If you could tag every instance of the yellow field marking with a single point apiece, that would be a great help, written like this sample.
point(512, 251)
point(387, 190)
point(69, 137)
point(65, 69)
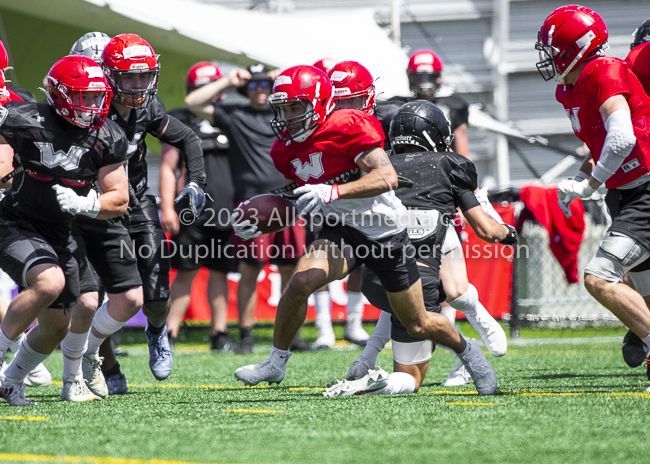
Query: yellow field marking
point(473, 404)
point(26, 418)
point(85, 459)
point(218, 387)
point(57, 382)
point(262, 411)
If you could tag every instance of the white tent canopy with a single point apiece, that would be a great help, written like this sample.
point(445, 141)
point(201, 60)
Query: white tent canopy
point(240, 36)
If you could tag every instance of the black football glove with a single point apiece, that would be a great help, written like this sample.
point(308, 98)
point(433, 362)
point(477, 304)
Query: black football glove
point(510, 239)
point(196, 197)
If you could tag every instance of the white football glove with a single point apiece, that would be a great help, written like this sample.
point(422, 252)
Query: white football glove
point(244, 229)
point(314, 197)
point(482, 197)
point(570, 189)
point(70, 202)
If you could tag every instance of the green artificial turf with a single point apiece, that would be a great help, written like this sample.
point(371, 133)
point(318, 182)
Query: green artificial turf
point(559, 400)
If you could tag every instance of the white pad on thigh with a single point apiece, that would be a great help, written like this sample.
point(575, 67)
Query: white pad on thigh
point(617, 254)
point(451, 241)
point(641, 281)
point(410, 354)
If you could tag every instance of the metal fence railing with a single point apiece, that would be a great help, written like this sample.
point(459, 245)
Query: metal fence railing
point(541, 294)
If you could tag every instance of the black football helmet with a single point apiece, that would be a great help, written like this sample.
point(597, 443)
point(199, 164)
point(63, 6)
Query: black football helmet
point(641, 34)
point(420, 123)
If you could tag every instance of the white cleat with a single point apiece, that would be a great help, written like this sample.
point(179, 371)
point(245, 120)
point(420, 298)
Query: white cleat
point(91, 365)
point(359, 368)
point(492, 334)
point(263, 371)
point(354, 332)
point(76, 390)
point(15, 395)
point(375, 380)
point(326, 337)
point(39, 377)
point(458, 376)
point(482, 373)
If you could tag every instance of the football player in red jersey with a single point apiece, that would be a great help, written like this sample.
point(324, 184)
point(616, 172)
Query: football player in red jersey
point(610, 112)
point(364, 220)
point(52, 185)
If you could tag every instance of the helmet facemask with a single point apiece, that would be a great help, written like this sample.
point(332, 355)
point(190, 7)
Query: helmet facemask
point(140, 95)
point(424, 83)
point(280, 124)
point(83, 107)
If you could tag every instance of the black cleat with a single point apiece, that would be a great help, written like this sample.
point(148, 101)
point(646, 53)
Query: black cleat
point(245, 345)
point(221, 342)
point(634, 350)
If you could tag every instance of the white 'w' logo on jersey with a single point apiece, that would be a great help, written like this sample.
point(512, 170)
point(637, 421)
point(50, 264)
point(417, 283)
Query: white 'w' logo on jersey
point(314, 168)
point(573, 116)
point(52, 159)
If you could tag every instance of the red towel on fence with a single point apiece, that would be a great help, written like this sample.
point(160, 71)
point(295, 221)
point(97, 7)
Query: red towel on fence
point(565, 235)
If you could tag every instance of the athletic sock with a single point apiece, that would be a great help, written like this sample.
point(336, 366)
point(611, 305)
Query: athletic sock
point(74, 345)
point(22, 364)
point(279, 358)
point(245, 333)
point(378, 339)
point(646, 340)
point(322, 303)
point(5, 342)
point(468, 302)
point(355, 306)
point(115, 370)
point(93, 344)
point(450, 313)
point(15, 345)
point(103, 323)
point(154, 330)
point(398, 383)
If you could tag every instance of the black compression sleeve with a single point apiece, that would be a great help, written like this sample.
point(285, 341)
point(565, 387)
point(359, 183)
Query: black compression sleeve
point(182, 137)
point(467, 200)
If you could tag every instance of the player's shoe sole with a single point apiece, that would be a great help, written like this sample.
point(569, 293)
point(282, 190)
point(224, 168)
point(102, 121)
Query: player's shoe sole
point(375, 380)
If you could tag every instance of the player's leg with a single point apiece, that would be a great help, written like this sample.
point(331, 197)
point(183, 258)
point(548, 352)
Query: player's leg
point(153, 265)
point(323, 263)
point(180, 291)
point(218, 300)
point(463, 296)
point(249, 270)
point(353, 330)
point(634, 350)
point(368, 357)
point(323, 307)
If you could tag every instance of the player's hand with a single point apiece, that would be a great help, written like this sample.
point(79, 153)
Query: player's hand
point(195, 195)
point(244, 229)
point(510, 239)
point(482, 197)
point(314, 197)
point(239, 77)
point(570, 189)
point(70, 202)
point(169, 221)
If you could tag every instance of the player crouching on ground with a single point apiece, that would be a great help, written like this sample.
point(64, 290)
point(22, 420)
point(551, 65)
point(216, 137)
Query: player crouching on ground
point(314, 147)
point(62, 146)
point(609, 111)
point(421, 137)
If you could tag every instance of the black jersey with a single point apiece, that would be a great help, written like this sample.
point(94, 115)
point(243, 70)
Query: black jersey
point(441, 182)
point(455, 108)
point(215, 147)
point(154, 120)
point(51, 151)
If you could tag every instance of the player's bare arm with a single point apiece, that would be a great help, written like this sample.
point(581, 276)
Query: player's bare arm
point(461, 142)
point(199, 101)
point(485, 227)
point(114, 183)
point(169, 160)
point(381, 176)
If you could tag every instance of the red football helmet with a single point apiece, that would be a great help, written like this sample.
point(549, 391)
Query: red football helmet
point(312, 89)
point(351, 80)
point(132, 69)
point(570, 35)
point(4, 65)
point(325, 65)
point(78, 90)
point(202, 73)
point(425, 72)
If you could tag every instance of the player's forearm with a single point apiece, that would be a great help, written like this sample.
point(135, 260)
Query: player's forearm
point(180, 136)
point(486, 228)
point(113, 204)
point(167, 187)
point(204, 95)
point(374, 183)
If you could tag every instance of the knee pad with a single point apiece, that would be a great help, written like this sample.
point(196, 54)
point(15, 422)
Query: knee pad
point(412, 353)
point(616, 255)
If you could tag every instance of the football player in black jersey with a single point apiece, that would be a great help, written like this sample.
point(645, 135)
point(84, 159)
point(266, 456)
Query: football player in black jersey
point(131, 67)
point(200, 243)
point(61, 146)
point(442, 180)
point(425, 78)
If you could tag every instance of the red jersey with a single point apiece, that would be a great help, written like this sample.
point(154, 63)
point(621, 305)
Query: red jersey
point(7, 95)
point(639, 63)
point(602, 78)
point(333, 149)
